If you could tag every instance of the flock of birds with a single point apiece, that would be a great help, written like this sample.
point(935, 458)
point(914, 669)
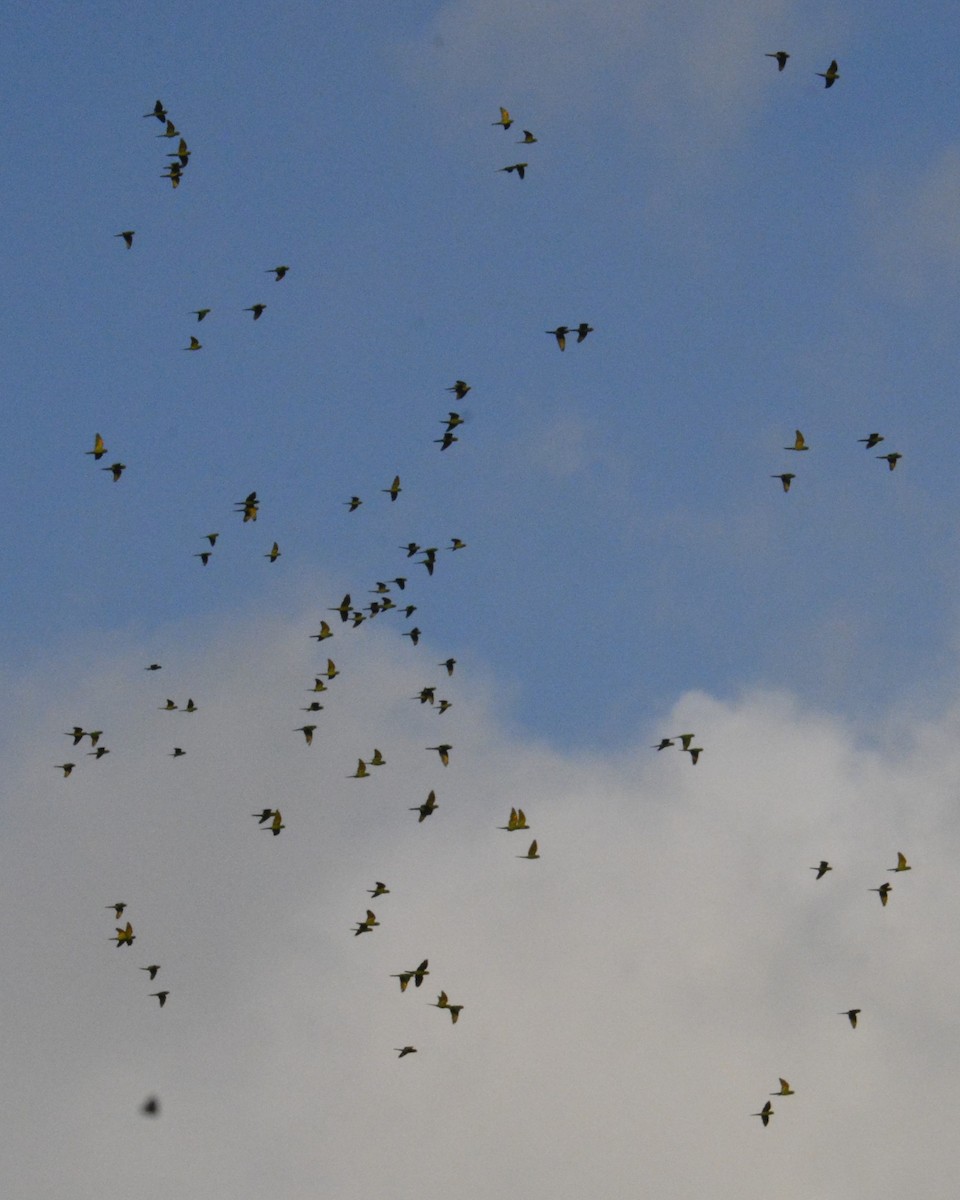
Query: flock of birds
point(270, 819)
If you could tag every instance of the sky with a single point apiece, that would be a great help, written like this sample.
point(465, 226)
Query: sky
point(756, 254)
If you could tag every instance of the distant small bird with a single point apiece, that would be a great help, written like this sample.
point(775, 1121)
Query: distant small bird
point(212, 538)
point(353, 503)
point(274, 553)
point(420, 973)
point(404, 977)
point(453, 420)
point(684, 739)
point(822, 869)
point(153, 971)
point(515, 821)
point(190, 707)
point(332, 671)
point(582, 330)
point(277, 824)
point(457, 544)
point(125, 937)
point(781, 56)
point(394, 490)
point(765, 1113)
point(884, 891)
point(76, 733)
point(428, 807)
point(379, 889)
point(183, 154)
point(307, 731)
point(798, 443)
point(694, 752)
point(170, 706)
point(527, 140)
point(449, 663)
point(366, 925)
point(250, 507)
point(446, 441)
point(117, 469)
point(99, 752)
point(118, 907)
point(902, 864)
point(343, 608)
point(830, 75)
point(378, 760)
point(520, 168)
point(532, 852)
point(318, 685)
point(444, 751)
point(560, 333)
point(161, 996)
point(664, 744)
point(408, 612)
point(505, 119)
point(66, 768)
point(99, 449)
point(413, 634)
point(361, 772)
point(150, 1107)
point(200, 313)
point(262, 816)
point(454, 1010)
point(278, 271)
point(786, 479)
point(873, 439)
point(892, 459)
point(411, 548)
point(176, 752)
point(257, 310)
point(194, 344)
point(204, 556)
point(404, 1050)
point(785, 1089)
point(127, 236)
point(459, 389)
point(443, 706)
point(158, 111)
point(171, 130)
point(851, 1015)
point(153, 667)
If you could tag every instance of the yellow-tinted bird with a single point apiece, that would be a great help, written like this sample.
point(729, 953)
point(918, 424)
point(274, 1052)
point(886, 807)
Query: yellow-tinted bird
point(871, 440)
point(533, 852)
point(66, 768)
point(441, 1001)
point(404, 977)
point(99, 449)
point(170, 706)
point(459, 389)
point(353, 503)
point(274, 553)
point(278, 271)
point(366, 925)
point(505, 119)
point(786, 479)
point(378, 760)
point(158, 111)
point(325, 632)
point(277, 823)
point(194, 345)
point(125, 937)
point(785, 1089)
point(830, 75)
point(379, 889)
point(560, 333)
point(902, 864)
point(444, 751)
point(884, 892)
point(798, 443)
point(394, 490)
point(344, 608)
point(527, 140)
point(361, 772)
point(171, 130)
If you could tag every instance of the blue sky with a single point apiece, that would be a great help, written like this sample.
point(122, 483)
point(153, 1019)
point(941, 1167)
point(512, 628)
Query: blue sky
point(756, 254)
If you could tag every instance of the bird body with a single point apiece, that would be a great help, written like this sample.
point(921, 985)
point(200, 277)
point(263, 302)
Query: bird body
point(127, 236)
point(786, 479)
point(99, 449)
point(125, 937)
point(781, 56)
point(520, 169)
point(891, 459)
point(505, 119)
point(822, 868)
point(444, 751)
point(798, 442)
point(532, 852)
point(560, 333)
point(161, 996)
point(273, 553)
point(883, 891)
point(902, 864)
point(278, 271)
point(785, 1089)
point(428, 807)
point(765, 1113)
point(830, 75)
point(851, 1014)
point(257, 310)
point(394, 490)
point(307, 731)
point(871, 440)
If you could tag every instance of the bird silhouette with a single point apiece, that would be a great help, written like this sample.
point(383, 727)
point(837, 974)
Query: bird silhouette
point(353, 503)
point(273, 553)
point(404, 1050)
point(161, 996)
point(99, 449)
point(263, 816)
point(459, 388)
point(379, 889)
point(154, 667)
point(532, 852)
point(765, 1113)
point(822, 869)
point(694, 752)
point(582, 330)
point(118, 908)
point(158, 111)
point(785, 1089)
point(66, 768)
point(426, 809)
point(117, 469)
point(527, 140)
point(361, 772)
point(786, 479)
point(127, 236)
point(781, 56)
point(884, 891)
point(411, 548)
point(446, 441)
point(505, 119)
point(153, 971)
point(170, 706)
point(278, 271)
point(851, 1015)
point(449, 663)
point(873, 439)
point(200, 313)
point(366, 925)
point(194, 344)
point(171, 130)
point(830, 75)
point(664, 744)
point(520, 169)
point(444, 751)
point(177, 752)
point(413, 634)
point(190, 707)
point(394, 490)
point(560, 333)
point(204, 556)
point(891, 459)
point(307, 731)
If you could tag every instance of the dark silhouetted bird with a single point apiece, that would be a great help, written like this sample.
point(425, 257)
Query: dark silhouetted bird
point(873, 439)
point(116, 469)
point(257, 310)
point(884, 891)
point(307, 731)
point(560, 333)
point(444, 751)
point(449, 663)
point(830, 75)
point(278, 271)
point(158, 111)
point(200, 313)
point(891, 459)
point(404, 1050)
point(459, 388)
point(153, 971)
point(161, 996)
point(413, 634)
point(765, 1113)
point(781, 56)
point(582, 330)
point(786, 479)
point(127, 236)
point(851, 1015)
point(520, 168)
point(822, 869)
point(428, 807)
point(66, 768)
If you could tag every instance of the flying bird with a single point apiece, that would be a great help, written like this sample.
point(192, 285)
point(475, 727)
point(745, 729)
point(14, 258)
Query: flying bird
point(117, 908)
point(99, 752)
point(361, 772)
point(873, 439)
point(404, 977)
point(527, 140)
point(851, 1015)
point(830, 75)
point(454, 1010)
point(822, 869)
point(200, 313)
point(443, 706)
point(194, 344)
point(798, 443)
point(66, 768)
point(785, 1089)
point(153, 971)
point(411, 548)
point(277, 824)
point(117, 469)
point(366, 925)
point(344, 608)
point(449, 663)
point(378, 760)
point(786, 479)
point(307, 731)
point(457, 544)
point(353, 503)
point(158, 111)
point(264, 815)
point(765, 1113)
point(127, 236)
point(278, 271)
point(176, 752)
point(99, 449)
point(274, 553)
point(257, 310)
point(582, 330)
point(533, 852)
point(664, 744)
point(459, 389)
point(413, 634)
point(427, 808)
point(560, 333)
point(76, 733)
point(446, 441)
point(694, 752)
point(884, 891)
point(520, 168)
point(170, 706)
point(379, 889)
point(150, 1107)
point(444, 751)
point(441, 1001)
point(394, 490)
point(125, 937)
point(154, 667)
point(902, 864)
point(161, 996)
point(404, 1050)
point(325, 632)
point(204, 556)
point(892, 459)
point(190, 707)
point(505, 119)
point(684, 739)
point(171, 130)
point(781, 56)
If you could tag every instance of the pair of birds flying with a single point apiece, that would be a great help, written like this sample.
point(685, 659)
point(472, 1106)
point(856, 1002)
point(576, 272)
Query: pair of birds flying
point(561, 331)
point(829, 76)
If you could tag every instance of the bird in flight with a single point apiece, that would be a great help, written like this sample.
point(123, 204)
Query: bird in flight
point(884, 891)
point(404, 1050)
point(379, 889)
point(411, 548)
point(257, 310)
point(873, 439)
point(190, 707)
point(278, 271)
point(765, 1113)
point(158, 111)
point(125, 937)
point(277, 824)
point(361, 772)
point(851, 1015)
point(344, 608)
point(154, 667)
point(274, 553)
point(99, 449)
point(786, 479)
point(533, 852)
point(527, 140)
point(404, 977)
point(117, 908)
point(449, 663)
point(250, 507)
point(582, 330)
point(444, 751)
point(685, 739)
point(153, 971)
point(200, 313)
point(902, 864)
point(177, 752)
point(204, 556)
point(264, 815)
point(171, 130)
point(413, 634)
point(560, 333)
point(664, 744)
point(307, 731)
point(459, 389)
point(378, 760)
point(161, 996)
point(892, 459)
point(505, 119)
point(520, 169)
point(127, 236)
point(694, 752)
point(830, 75)
point(194, 344)
point(446, 441)
point(785, 1089)
point(781, 56)
point(118, 468)
point(394, 490)
point(428, 807)
point(367, 924)
point(822, 869)
point(353, 503)
point(66, 768)
point(798, 443)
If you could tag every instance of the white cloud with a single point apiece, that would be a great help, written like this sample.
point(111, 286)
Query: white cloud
point(630, 998)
